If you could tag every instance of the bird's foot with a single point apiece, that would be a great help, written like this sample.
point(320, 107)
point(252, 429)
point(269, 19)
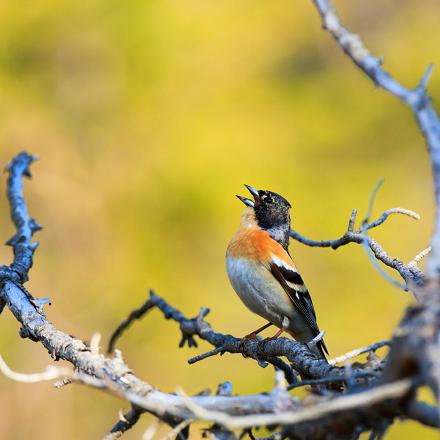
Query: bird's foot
point(250, 337)
point(253, 335)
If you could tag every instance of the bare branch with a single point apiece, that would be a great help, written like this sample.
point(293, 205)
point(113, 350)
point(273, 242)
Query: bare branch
point(94, 343)
point(364, 230)
point(21, 242)
point(266, 350)
point(371, 201)
point(419, 257)
point(135, 314)
point(126, 422)
point(201, 357)
point(174, 433)
point(376, 265)
point(411, 274)
point(390, 211)
point(417, 99)
point(359, 351)
point(368, 398)
point(51, 373)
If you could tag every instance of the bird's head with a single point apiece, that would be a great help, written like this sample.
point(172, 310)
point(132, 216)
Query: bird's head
point(271, 210)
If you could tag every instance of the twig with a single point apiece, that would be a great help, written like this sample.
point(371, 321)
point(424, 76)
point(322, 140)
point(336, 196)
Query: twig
point(94, 343)
point(390, 211)
point(419, 257)
point(174, 433)
point(409, 273)
point(366, 243)
point(371, 201)
point(206, 355)
point(135, 314)
point(376, 265)
point(273, 360)
point(358, 352)
point(126, 422)
point(51, 373)
point(21, 242)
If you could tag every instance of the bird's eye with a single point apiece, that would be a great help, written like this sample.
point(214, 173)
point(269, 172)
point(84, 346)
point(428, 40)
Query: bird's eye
point(269, 199)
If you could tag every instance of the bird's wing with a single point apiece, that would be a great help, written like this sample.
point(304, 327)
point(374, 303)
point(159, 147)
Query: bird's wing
point(292, 283)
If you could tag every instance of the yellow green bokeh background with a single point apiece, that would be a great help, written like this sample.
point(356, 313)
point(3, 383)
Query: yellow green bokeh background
point(148, 117)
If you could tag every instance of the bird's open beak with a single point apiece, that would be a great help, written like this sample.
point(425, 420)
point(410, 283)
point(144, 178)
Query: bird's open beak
point(246, 201)
point(249, 202)
point(254, 192)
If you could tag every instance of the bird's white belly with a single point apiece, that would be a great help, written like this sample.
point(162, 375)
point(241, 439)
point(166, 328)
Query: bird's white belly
point(261, 294)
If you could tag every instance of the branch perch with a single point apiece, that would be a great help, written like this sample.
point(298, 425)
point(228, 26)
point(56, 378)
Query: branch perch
point(410, 273)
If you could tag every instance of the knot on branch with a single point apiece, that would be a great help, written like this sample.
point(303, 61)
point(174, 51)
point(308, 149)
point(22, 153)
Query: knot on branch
point(25, 334)
point(193, 326)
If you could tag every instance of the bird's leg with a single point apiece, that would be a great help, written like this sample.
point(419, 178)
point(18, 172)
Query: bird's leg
point(278, 333)
point(285, 326)
point(253, 335)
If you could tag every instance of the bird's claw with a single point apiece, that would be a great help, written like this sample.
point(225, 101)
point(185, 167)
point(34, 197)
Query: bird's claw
point(250, 337)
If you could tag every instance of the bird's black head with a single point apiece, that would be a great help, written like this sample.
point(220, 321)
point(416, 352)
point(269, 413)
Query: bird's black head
point(272, 212)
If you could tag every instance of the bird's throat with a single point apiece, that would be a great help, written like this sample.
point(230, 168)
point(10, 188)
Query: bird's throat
point(281, 234)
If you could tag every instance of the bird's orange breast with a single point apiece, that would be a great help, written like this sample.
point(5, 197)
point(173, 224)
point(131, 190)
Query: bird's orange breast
point(256, 244)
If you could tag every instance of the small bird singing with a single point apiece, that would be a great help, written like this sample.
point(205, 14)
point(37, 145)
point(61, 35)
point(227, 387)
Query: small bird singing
point(263, 274)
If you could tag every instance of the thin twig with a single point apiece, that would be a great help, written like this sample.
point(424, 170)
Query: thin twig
point(51, 373)
point(371, 201)
point(135, 314)
point(173, 433)
point(206, 355)
point(390, 211)
point(126, 422)
point(366, 243)
point(408, 273)
point(94, 343)
point(376, 265)
point(419, 257)
point(359, 351)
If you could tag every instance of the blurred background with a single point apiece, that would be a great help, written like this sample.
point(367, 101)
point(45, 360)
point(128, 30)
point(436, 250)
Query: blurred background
point(148, 117)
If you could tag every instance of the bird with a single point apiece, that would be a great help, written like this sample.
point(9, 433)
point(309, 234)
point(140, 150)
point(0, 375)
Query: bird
point(263, 274)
